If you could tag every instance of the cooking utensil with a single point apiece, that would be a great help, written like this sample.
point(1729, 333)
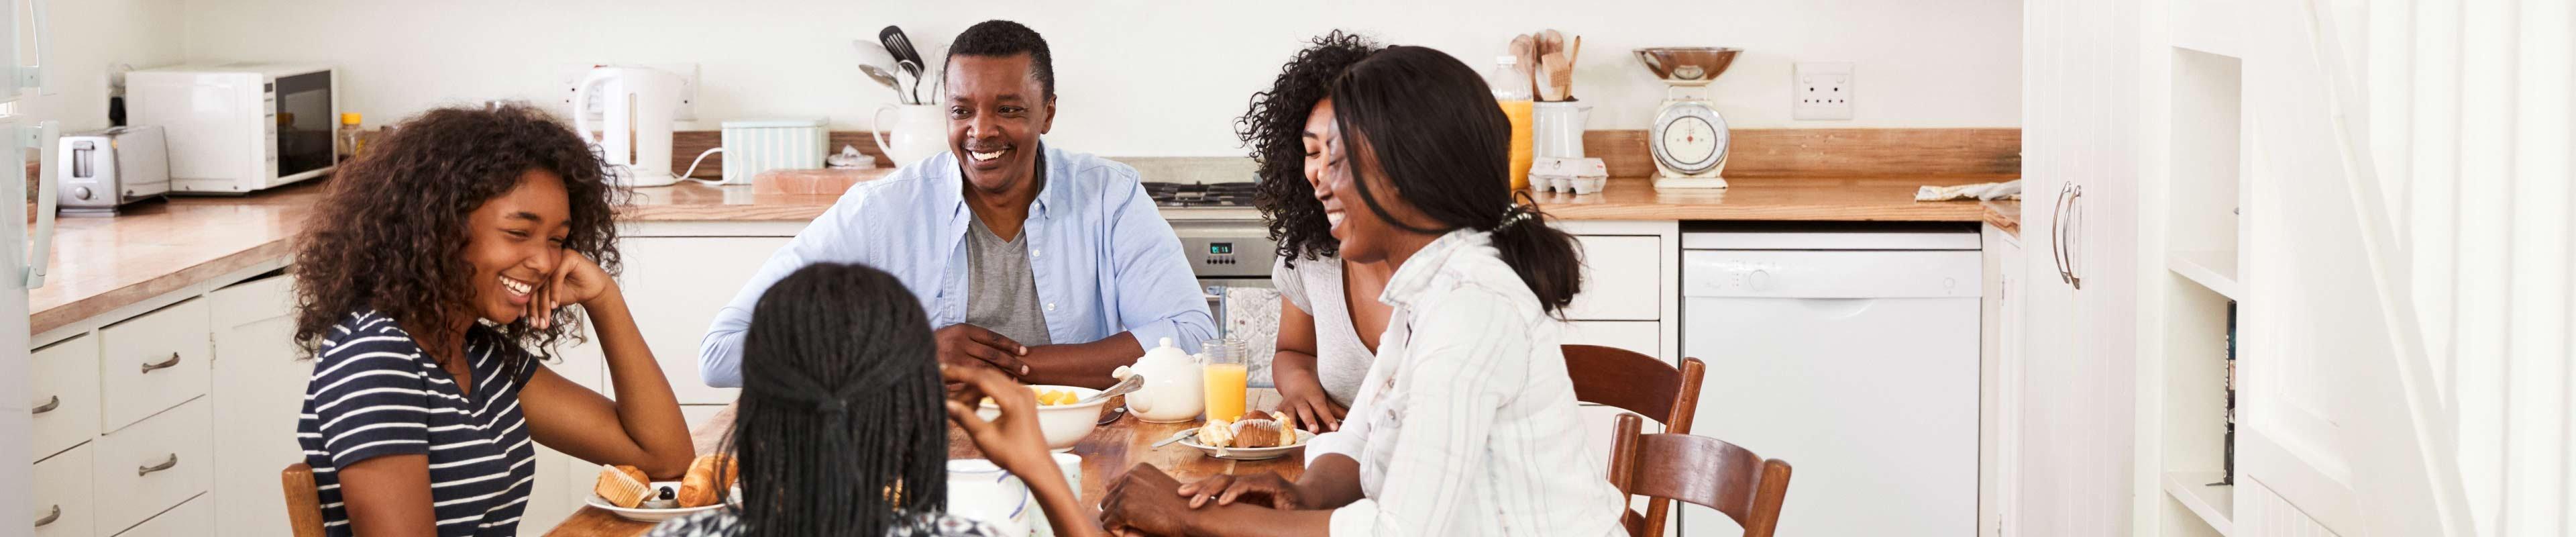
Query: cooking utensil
point(905, 55)
point(880, 75)
point(1525, 58)
point(873, 53)
point(1131, 383)
point(1176, 437)
point(900, 46)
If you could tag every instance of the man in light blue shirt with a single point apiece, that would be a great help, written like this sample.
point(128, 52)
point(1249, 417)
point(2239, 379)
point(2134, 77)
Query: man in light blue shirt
point(1048, 265)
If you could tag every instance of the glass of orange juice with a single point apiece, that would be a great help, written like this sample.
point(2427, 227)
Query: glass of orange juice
point(1226, 373)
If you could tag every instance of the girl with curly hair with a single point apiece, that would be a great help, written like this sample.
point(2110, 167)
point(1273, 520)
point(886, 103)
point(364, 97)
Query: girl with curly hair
point(1327, 338)
point(428, 287)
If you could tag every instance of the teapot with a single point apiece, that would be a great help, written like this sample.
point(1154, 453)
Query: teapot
point(1175, 385)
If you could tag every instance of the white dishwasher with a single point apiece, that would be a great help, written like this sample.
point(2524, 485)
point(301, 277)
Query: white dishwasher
point(1850, 353)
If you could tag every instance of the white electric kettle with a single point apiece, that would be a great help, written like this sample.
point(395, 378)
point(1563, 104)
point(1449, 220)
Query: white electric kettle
point(637, 105)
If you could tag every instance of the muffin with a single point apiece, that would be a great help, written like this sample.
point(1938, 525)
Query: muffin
point(623, 486)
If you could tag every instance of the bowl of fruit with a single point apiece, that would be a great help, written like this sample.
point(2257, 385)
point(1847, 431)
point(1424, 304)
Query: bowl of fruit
point(1061, 414)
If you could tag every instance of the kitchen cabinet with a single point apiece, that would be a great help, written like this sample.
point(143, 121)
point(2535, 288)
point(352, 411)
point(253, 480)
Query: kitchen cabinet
point(1999, 355)
point(66, 505)
point(1631, 286)
point(675, 286)
point(259, 381)
point(153, 362)
point(66, 398)
point(138, 444)
point(156, 464)
point(2076, 414)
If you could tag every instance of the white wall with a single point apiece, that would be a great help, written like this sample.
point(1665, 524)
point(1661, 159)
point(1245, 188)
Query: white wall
point(89, 36)
point(1135, 78)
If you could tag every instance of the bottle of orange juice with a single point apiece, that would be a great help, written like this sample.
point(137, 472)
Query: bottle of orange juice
point(1226, 379)
point(1512, 89)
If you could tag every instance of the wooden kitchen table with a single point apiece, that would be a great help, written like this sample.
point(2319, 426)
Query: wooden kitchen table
point(1107, 453)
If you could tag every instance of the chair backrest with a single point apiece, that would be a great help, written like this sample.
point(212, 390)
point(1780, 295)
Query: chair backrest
point(1636, 383)
point(303, 500)
point(1700, 470)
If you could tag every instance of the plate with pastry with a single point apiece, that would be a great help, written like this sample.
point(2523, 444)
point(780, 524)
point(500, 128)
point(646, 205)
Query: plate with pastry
point(1250, 439)
point(626, 491)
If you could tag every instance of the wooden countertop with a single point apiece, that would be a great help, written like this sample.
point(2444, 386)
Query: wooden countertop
point(101, 264)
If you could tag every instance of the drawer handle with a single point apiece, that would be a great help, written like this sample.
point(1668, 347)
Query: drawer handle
point(51, 402)
point(165, 364)
point(55, 514)
point(140, 471)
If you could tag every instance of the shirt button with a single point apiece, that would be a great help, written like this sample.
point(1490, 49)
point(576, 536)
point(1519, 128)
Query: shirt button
point(1033, 252)
point(1050, 306)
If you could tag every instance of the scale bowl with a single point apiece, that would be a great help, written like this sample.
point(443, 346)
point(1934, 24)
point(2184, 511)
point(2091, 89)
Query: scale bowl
point(1687, 65)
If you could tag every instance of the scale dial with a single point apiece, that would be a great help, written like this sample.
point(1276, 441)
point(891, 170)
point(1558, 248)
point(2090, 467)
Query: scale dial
point(1689, 138)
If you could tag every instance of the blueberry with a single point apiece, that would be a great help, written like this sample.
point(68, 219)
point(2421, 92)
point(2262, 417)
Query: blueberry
point(668, 494)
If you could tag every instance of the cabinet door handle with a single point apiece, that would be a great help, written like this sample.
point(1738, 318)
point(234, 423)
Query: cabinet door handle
point(2074, 199)
point(165, 465)
point(165, 364)
point(53, 513)
point(51, 402)
point(2056, 247)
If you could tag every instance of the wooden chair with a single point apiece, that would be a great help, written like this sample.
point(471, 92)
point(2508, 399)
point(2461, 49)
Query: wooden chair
point(1700, 470)
point(303, 500)
point(1637, 383)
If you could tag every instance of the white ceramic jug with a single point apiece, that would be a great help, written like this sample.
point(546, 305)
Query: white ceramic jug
point(918, 131)
point(980, 490)
point(1175, 385)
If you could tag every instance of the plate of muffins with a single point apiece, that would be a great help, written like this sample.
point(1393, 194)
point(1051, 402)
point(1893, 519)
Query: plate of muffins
point(626, 491)
point(1250, 439)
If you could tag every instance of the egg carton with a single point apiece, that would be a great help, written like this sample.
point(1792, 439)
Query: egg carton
point(1573, 175)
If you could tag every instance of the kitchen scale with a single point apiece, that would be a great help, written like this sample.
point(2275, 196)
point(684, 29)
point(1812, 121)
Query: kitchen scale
point(1689, 138)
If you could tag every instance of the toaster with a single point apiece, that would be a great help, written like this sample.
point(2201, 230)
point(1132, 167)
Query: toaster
point(100, 171)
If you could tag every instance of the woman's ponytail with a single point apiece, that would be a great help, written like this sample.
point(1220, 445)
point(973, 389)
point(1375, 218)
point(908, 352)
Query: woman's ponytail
point(1545, 257)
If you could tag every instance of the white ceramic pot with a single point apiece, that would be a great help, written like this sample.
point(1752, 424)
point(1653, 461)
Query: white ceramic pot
point(1175, 385)
point(1557, 128)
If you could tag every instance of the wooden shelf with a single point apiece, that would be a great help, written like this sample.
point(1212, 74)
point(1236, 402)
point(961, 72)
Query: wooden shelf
point(2214, 270)
point(2214, 504)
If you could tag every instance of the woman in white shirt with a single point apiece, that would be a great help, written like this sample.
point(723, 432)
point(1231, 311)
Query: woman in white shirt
point(1466, 421)
point(1328, 323)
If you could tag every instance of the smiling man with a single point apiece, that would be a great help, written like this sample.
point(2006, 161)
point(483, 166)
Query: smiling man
point(1049, 265)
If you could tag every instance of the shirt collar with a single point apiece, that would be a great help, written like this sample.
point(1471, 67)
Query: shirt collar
point(1407, 285)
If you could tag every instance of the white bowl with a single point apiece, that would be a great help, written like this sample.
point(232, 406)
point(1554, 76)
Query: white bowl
point(1249, 454)
point(1064, 425)
point(656, 516)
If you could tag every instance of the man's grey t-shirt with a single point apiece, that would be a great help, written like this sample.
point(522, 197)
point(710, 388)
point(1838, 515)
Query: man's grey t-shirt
point(1003, 297)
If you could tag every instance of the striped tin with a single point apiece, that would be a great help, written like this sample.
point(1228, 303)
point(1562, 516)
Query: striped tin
point(751, 147)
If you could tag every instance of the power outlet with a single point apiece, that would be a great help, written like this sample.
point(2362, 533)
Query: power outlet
point(570, 74)
point(1823, 91)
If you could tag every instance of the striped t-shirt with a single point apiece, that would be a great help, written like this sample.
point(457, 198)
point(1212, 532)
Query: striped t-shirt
point(374, 393)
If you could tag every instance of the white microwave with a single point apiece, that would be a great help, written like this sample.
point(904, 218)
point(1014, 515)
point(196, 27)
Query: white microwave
point(237, 128)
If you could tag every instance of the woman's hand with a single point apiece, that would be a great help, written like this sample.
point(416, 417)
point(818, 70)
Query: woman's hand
point(1303, 397)
point(1142, 503)
point(577, 280)
point(1267, 489)
point(1012, 439)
